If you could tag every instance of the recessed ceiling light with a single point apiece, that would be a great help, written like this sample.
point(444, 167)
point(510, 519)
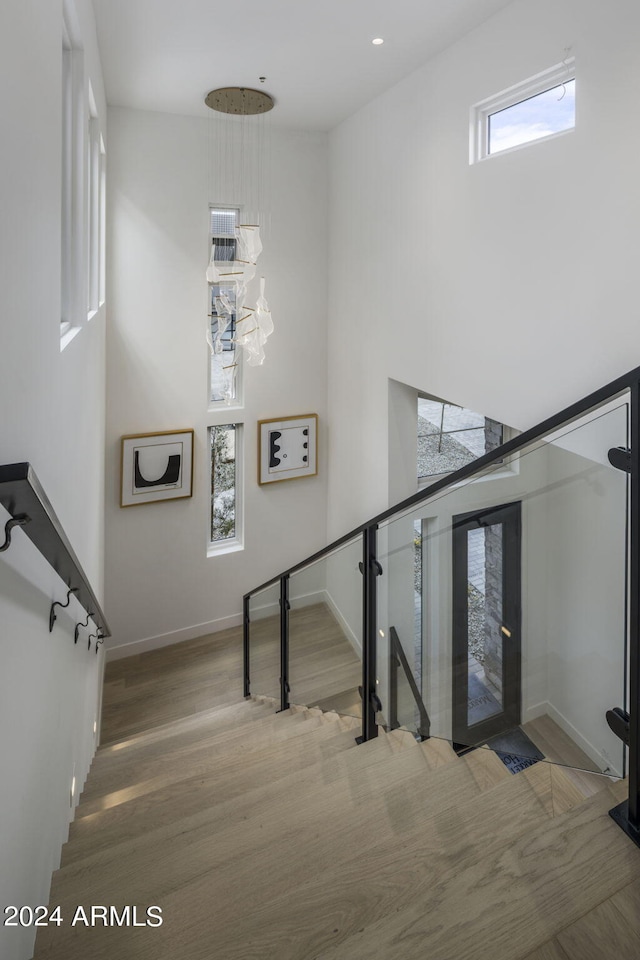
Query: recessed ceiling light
point(378, 41)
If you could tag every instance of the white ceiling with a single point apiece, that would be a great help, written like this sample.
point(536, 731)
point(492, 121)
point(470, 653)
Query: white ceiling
point(317, 57)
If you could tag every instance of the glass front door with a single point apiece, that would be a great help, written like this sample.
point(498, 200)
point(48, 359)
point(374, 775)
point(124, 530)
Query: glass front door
point(486, 624)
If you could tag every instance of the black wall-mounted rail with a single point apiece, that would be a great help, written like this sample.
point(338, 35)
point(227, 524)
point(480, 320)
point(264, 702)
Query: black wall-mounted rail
point(22, 495)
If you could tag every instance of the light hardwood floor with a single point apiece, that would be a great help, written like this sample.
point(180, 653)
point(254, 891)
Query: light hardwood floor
point(272, 835)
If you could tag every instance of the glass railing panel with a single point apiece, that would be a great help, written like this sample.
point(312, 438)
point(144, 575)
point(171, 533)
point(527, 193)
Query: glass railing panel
point(264, 642)
point(325, 632)
point(508, 593)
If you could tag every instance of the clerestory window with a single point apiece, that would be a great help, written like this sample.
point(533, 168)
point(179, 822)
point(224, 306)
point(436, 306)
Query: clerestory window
point(543, 106)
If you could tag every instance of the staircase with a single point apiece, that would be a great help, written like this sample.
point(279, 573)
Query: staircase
point(273, 835)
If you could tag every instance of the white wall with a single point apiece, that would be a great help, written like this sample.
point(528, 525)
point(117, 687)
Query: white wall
point(585, 553)
point(53, 416)
point(161, 585)
point(507, 286)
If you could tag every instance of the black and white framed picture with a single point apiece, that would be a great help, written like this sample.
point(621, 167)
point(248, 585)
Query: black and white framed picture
point(287, 448)
point(156, 466)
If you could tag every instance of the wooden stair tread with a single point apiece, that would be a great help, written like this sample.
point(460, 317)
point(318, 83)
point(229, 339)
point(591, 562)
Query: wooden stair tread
point(272, 835)
point(551, 867)
point(488, 769)
point(204, 739)
point(242, 710)
point(391, 783)
point(394, 866)
point(115, 826)
point(602, 930)
point(548, 951)
point(306, 742)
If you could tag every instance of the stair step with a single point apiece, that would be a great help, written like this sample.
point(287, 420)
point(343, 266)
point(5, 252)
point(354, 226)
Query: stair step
point(175, 754)
point(349, 872)
point(150, 708)
point(398, 783)
point(271, 834)
point(535, 883)
point(101, 831)
point(401, 740)
point(143, 805)
point(438, 752)
point(487, 767)
point(157, 742)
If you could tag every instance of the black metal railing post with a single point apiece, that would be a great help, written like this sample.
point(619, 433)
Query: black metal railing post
point(284, 642)
point(398, 658)
point(394, 663)
point(370, 570)
point(245, 645)
point(627, 814)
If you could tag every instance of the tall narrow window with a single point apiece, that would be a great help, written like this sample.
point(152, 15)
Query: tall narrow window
point(103, 225)
point(74, 212)
point(93, 216)
point(224, 372)
point(224, 483)
point(67, 182)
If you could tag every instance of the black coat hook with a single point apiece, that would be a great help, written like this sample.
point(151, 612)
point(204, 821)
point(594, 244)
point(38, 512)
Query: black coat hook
point(76, 632)
point(92, 636)
point(99, 640)
point(17, 521)
point(52, 616)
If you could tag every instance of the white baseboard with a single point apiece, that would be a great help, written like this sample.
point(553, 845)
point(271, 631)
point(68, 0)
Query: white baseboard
point(537, 710)
point(348, 632)
point(224, 623)
point(308, 599)
point(585, 745)
point(175, 636)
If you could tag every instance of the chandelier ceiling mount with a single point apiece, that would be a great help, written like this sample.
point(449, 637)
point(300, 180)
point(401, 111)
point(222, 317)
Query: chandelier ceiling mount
point(241, 101)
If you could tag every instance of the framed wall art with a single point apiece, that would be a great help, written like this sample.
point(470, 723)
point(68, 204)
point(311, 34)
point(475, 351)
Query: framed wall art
point(287, 448)
point(156, 466)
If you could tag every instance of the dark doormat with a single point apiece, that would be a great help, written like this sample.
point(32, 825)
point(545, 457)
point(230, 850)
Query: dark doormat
point(481, 703)
point(515, 749)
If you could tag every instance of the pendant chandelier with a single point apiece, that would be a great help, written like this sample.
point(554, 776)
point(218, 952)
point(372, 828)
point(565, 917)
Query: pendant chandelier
point(238, 162)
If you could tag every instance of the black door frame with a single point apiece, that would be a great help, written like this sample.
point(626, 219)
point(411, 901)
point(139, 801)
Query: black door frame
point(510, 516)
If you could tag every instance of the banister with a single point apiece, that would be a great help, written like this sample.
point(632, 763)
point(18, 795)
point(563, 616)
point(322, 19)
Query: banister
point(22, 494)
point(626, 814)
point(566, 416)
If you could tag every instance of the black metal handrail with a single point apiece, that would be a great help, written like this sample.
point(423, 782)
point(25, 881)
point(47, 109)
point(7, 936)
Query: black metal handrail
point(23, 496)
point(398, 658)
point(627, 815)
point(570, 413)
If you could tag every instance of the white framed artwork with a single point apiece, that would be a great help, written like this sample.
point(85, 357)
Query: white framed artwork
point(287, 448)
point(156, 466)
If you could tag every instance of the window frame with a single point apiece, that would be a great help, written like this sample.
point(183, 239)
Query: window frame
point(235, 543)
point(94, 209)
point(83, 189)
point(72, 184)
point(505, 467)
point(481, 112)
point(237, 402)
